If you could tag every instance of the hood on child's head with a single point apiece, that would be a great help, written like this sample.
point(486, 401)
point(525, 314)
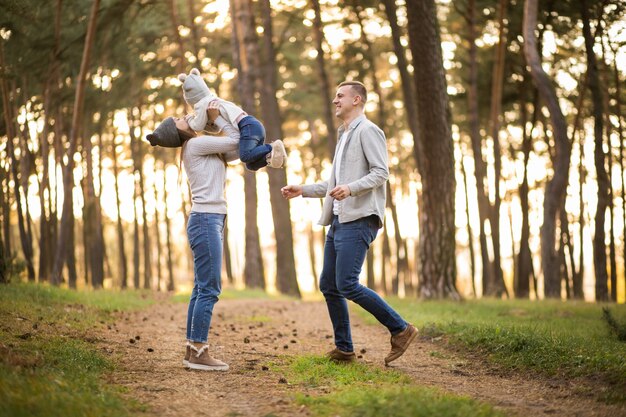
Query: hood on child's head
point(165, 135)
point(194, 87)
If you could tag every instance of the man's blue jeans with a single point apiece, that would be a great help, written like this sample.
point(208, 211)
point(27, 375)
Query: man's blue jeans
point(344, 252)
point(252, 148)
point(205, 232)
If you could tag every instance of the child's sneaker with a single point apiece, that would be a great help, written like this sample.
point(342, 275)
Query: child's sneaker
point(201, 360)
point(278, 154)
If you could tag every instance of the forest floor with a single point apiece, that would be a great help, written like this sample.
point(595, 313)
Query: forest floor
point(252, 334)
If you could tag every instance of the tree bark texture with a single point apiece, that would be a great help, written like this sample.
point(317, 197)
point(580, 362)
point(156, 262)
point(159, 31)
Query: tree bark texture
point(157, 226)
point(497, 286)
point(620, 131)
point(470, 234)
point(244, 39)
point(524, 270)
point(171, 286)
point(92, 222)
point(408, 89)
point(325, 89)
point(480, 169)
point(65, 247)
point(437, 229)
point(556, 186)
point(599, 246)
point(25, 240)
point(286, 278)
point(122, 262)
point(180, 63)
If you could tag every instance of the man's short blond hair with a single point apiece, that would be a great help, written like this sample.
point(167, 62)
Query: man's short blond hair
point(357, 87)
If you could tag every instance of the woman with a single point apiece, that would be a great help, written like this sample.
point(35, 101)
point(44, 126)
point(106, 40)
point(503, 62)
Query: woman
point(204, 160)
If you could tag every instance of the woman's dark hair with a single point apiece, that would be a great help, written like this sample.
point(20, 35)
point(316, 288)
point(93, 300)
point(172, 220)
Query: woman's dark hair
point(184, 136)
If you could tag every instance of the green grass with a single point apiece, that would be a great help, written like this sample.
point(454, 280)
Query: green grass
point(49, 365)
point(363, 390)
point(548, 337)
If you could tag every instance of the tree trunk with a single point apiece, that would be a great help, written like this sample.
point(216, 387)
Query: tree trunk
point(403, 273)
point(92, 222)
point(480, 170)
point(599, 246)
point(168, 238)
point(609, 127)
point(27, 248)
point(147, 251)
point(157, 225)
point(329, 120)
point(123, 265)
point(470, 234)
point(26, 167)
point(497, 286)
point(59, 122)
point(567, 244)
point(286, 279)
point(410, 107)
point(136, 195)
point(612, 256)
point(195, 38)
point(48, 215)
point(65, 252)
point(620, 131)
point(4, 270)
point(228, 259)
point(6, 212)
point(437, 230)
point(556, 186)
point(408, 90)
point(136, 254)
point(180, 62)
point(524, 270)
point(5, 256)
point(312, 257)
point(243, 39)
point(72, 275)
point(578, 276)
point(385, 259)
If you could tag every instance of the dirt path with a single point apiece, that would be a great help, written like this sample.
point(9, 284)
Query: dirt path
point(248, 334)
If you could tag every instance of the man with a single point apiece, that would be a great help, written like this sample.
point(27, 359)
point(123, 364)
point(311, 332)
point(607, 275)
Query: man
point(354, 207)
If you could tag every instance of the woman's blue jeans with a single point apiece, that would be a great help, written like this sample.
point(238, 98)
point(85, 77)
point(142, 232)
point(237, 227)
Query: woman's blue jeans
point(252, 148)
point(344, 252)
point(205, 232)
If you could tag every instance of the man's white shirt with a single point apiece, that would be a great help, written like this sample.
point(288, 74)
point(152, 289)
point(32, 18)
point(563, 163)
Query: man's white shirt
point(342, 145)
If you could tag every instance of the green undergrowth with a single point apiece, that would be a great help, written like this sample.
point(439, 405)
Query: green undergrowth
point(49, 363)
point(550, 338)
point(359, 389)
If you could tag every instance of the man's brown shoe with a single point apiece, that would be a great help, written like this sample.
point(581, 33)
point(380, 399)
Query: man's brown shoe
point(201, 360)
point(337, 355)
point(400, 342)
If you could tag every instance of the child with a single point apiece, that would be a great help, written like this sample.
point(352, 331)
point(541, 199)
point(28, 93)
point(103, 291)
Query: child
point(252, 149)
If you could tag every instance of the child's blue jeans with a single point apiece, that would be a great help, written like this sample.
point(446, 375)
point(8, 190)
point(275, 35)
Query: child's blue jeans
point(252, 148)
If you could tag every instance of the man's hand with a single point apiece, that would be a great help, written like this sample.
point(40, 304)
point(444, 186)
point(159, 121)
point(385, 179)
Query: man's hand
point(291, 191)
point(213, 111)
point(340, 192)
